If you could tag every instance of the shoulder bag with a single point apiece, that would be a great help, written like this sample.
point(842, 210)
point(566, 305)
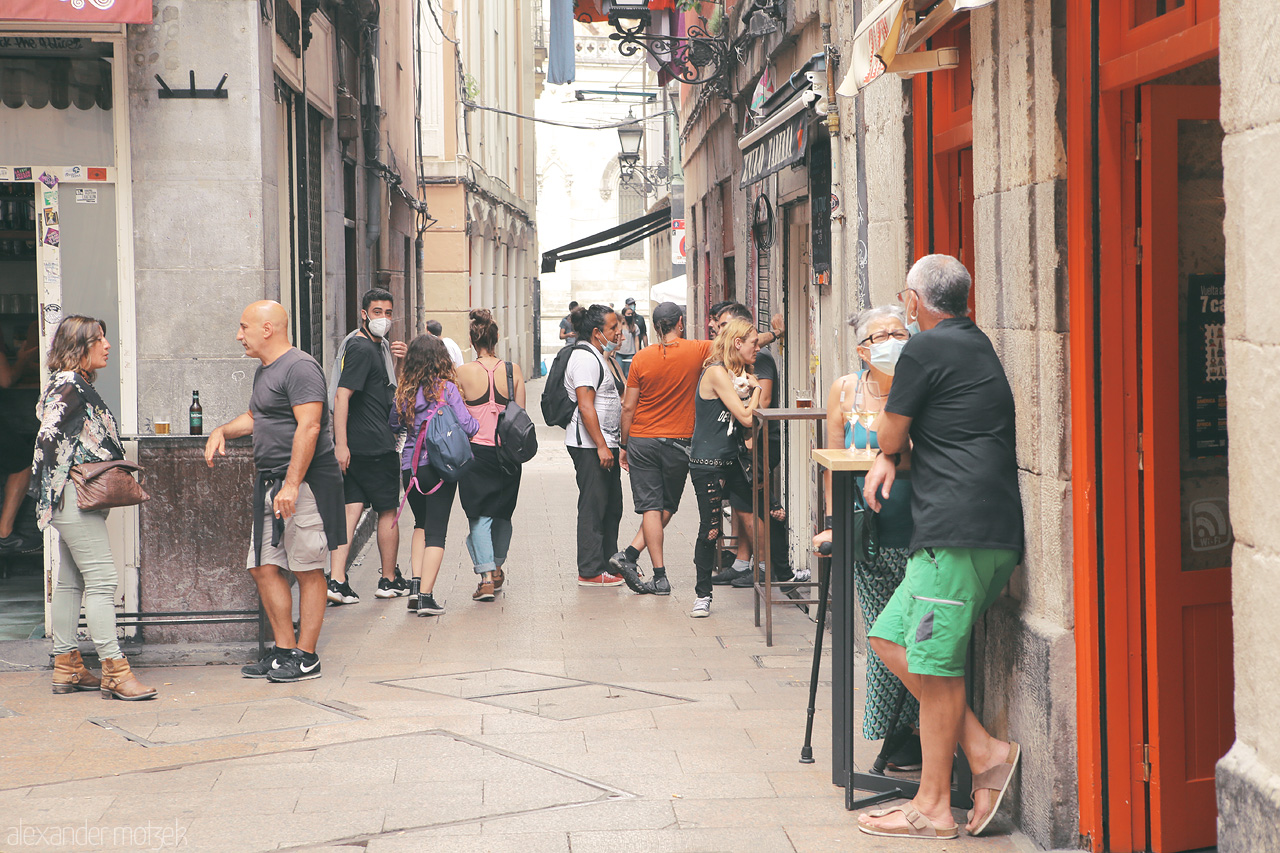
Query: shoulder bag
point(104, 485)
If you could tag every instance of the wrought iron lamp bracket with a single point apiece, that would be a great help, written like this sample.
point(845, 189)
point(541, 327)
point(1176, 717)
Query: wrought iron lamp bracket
point(697, 58)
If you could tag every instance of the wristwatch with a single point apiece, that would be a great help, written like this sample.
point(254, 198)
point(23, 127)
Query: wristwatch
point(831, 522)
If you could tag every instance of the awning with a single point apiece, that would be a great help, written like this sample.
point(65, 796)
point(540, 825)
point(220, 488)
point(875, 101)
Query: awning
point(887, 40)
point(779, 141)
point(93, 12)
point(618, 237)
point(672, 290)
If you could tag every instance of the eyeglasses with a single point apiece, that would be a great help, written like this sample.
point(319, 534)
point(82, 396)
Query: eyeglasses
point(884, 335)
point(902, 294)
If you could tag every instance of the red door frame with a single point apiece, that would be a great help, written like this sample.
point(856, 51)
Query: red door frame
point(942, 137)
point(1102, 256)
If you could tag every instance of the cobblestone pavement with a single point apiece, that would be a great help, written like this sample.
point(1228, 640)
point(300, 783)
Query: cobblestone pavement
point(554, 719)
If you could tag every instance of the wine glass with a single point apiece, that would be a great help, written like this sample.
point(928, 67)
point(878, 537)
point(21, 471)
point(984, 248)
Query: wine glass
point(866, 414)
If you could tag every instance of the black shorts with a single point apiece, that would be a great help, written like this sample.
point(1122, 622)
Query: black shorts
point(16, 452)
point(659, 468)
point(373, 481)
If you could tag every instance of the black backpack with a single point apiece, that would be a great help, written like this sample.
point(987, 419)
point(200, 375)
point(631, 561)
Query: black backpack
point(517, 437)
point(557, 406)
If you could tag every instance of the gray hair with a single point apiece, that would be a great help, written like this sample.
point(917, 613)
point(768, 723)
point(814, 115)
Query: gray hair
point(943, 283)
point(861, 322)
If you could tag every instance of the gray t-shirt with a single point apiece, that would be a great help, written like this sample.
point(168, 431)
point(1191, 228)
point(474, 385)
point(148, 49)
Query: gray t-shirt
point(291, 380)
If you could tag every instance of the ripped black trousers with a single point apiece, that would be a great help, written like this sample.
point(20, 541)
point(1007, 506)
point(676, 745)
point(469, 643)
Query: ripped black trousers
point(712, 486)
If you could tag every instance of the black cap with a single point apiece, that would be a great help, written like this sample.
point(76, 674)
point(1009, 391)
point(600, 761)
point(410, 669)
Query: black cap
point(631, 300)
point(666, 314)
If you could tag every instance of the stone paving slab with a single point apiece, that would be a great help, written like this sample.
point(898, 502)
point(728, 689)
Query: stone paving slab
point(404, 748)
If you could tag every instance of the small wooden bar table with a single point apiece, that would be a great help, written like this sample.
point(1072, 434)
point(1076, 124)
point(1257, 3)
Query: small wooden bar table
point(845, 467)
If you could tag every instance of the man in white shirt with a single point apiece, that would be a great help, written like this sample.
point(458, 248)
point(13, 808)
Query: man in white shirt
point(593, 438)
point(455, 352)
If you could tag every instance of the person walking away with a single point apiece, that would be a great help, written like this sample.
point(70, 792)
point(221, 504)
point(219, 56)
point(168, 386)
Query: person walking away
point(880, 333)
point(455, 351)
point(713, 464)
point(656, 431)
point(593, 438)
point(635, 336)
point(952, 407)
point(567, 333)
point(76, 428)
point(298, 512)
point(365, 445)
point(492, 485)
point(426, 385)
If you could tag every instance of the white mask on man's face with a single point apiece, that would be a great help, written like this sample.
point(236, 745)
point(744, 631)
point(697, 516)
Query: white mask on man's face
point(379, 326)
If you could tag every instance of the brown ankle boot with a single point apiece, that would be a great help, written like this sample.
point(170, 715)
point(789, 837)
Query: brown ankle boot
point(118, 682)
point(70, 674)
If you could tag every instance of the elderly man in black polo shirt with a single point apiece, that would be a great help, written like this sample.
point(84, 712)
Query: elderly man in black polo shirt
point(951, 410)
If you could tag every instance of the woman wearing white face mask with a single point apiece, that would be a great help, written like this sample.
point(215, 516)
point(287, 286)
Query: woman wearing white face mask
point(881, 335)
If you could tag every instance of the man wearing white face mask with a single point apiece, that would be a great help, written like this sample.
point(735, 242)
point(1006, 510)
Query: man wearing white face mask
point(365, 445)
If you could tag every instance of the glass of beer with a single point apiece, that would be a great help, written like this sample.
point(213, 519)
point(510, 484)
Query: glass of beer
point(162, 426)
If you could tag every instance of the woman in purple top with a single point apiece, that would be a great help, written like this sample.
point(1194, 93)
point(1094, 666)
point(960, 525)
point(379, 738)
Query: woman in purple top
point(426, 383)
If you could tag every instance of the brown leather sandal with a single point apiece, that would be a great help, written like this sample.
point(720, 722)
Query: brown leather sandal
point(995, 779)
point(918, 826)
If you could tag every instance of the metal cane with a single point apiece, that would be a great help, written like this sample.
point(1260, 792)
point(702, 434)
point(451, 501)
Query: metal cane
point(824, 587)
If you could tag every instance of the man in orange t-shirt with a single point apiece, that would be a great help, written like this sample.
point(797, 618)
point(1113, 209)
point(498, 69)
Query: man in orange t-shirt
point(657, 425)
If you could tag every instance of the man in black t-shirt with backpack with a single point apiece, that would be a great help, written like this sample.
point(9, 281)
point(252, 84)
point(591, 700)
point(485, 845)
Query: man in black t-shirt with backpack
point(365, 445)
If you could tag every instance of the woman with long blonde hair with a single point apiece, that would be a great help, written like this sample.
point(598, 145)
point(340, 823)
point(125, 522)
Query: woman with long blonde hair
point(724, 405)
point(426, 385)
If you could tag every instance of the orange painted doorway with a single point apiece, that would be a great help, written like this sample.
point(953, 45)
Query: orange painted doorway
point(943, 159)
point(1151, 531)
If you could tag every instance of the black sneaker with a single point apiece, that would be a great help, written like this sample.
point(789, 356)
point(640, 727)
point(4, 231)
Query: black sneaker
point(415, 589)
point(729, 575)
point(267, 665)
point(630, 572)
point(341, 593)
point(658, 586)
point(296, 667)
point(907, 756)
point(392, 588)
point(427, 605)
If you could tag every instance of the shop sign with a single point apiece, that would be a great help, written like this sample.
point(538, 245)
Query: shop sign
point(1207, 364)
point(779, 149)
point(79, 11)
point(677, 241)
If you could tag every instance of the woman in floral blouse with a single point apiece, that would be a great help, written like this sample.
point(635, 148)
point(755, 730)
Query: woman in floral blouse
point(77, 427)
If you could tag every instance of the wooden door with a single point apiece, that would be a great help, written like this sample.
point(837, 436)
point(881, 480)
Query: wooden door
point(1186, 539)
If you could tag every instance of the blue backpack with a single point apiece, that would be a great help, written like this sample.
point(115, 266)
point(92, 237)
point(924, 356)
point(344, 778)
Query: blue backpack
point(448, 450)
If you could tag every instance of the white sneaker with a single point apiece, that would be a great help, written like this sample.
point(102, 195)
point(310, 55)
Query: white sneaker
point(701, 608)
point(803, 575)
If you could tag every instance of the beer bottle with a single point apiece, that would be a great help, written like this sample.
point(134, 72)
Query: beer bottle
point(196, 414)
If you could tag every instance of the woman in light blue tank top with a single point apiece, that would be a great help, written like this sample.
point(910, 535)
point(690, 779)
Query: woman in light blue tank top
point(880, 334)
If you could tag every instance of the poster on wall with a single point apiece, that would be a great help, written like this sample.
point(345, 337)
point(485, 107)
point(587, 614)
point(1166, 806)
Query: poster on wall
point(1206, 365)
point(677, 241)
point(92, 12)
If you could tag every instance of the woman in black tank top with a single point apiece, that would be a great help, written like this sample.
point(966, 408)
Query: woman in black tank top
point(721, 418)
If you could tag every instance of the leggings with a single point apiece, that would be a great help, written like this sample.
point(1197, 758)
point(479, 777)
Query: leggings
point(488, 542)
point(711, 486)
point(430, 512)
point(86, 571)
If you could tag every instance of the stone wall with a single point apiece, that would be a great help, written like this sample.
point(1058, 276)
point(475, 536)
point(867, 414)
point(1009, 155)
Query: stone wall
point(1025, 686)
point(1249, 775)
point(203, 176)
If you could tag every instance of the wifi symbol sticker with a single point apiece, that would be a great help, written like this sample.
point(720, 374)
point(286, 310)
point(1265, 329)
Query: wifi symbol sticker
point(1210, 524)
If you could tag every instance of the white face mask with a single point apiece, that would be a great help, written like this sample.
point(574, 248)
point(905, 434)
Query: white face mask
point(379, 326)
point(884, 357)
point(914, 327)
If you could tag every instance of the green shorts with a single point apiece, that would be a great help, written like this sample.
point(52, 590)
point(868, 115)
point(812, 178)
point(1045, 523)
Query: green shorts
point(944, 592)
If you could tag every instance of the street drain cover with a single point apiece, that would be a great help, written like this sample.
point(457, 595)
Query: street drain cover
point(236, 719)
point(549, 696)
point(397, 788)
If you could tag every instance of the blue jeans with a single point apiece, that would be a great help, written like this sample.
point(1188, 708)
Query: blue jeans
point(488, 542)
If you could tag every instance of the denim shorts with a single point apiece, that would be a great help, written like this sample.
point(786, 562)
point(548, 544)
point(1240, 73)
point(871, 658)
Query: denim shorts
point(933, 610)
point(659, 470)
